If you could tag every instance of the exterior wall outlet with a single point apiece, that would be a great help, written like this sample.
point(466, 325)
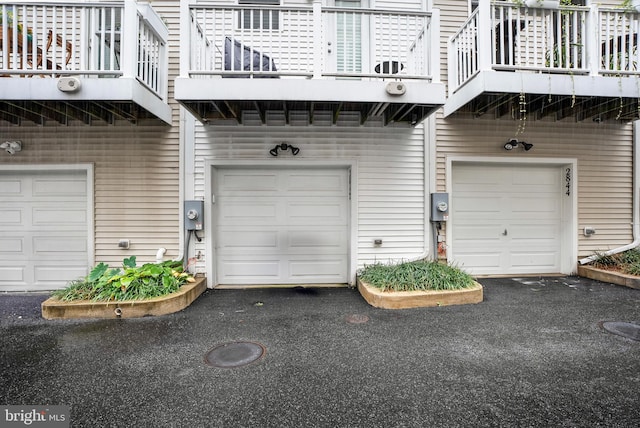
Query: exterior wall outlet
point(124, 244)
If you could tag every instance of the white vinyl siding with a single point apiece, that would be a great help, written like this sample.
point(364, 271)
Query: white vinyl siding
point(390, 176)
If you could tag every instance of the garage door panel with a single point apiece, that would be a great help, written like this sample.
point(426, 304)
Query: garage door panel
point(506, 218)
point(44, 232)
point(533, 206)
point(468, 234)
point(291, 230)
point(11, 188)
point(330, 270)
point(317, 241)
point(11, 245)
point(75, 248)
point(247, 181)
point(54, 276)
point(59, 187)
point(484, 261)
point(11, 217)
point(241, 269)
point(58, 216)
point(533, 178)
point(317, 183)
point(316, 212)
point(239, 212)
point(533, 259)
point(10, 275)
point(244, 240)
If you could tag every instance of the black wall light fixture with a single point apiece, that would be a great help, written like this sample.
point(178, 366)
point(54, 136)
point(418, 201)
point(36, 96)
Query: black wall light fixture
point(513, 143)
point(283, 147)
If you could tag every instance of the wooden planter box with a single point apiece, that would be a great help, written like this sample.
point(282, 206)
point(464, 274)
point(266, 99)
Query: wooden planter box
point(53, 308)
point(417, 299)
point(609, 276)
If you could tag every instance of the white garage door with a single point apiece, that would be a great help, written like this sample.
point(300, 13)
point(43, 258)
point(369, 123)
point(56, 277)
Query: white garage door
point(506, 219)
point(281, 226)
point(43, 232)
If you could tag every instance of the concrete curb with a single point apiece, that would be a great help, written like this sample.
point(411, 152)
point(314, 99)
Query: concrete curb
point(53, 308)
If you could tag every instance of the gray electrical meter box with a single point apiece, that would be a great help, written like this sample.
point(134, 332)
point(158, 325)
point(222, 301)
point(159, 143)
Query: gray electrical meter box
point(193, 215)
point(439, 206)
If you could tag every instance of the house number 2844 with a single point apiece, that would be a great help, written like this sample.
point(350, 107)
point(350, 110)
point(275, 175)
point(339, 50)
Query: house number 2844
point(567, 179)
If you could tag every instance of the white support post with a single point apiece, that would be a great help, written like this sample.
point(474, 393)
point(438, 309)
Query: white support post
point(593, 39)
point(129, 40)
point(185, 38)
point(318, 48)
point(434, 46)
point(484, 35)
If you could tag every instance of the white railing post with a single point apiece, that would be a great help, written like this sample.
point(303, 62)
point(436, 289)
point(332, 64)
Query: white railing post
point(592, 36)
point(484, 31)
point(185, 38)
point(434, 46)
point(129, 39)
point(318, 48)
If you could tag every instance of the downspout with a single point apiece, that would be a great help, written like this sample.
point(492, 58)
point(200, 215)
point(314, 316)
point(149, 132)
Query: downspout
point(429, 135)
point(635, 204)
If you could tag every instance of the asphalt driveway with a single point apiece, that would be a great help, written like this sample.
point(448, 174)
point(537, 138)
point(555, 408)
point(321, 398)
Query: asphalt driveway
point(534, 353)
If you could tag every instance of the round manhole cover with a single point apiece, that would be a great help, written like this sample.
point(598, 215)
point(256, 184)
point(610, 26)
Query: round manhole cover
point(234, 354)
point(624, 329)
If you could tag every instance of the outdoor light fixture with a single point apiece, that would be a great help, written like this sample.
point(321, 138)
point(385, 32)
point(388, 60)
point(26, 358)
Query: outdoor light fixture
point(11, 147)
point(513, 143)
point(283, 147)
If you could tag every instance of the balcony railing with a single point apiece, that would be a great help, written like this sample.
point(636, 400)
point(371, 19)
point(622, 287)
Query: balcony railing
point(570, 40)
point(311, 42)
point(119, 39)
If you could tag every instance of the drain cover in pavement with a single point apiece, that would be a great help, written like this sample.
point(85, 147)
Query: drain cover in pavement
point(357, 319)
point(234, 354)
point(624, 329)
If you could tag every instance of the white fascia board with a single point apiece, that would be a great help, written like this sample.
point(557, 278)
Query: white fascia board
point(542, 84)
point(187, 89)
point(91, 89)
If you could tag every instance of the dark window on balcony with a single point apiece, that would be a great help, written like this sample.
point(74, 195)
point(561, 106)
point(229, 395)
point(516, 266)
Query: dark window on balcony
point(259, 19)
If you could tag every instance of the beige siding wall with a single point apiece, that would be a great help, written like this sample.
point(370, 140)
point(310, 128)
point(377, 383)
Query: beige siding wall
point(136, 169)
point(604, 158)
point(136, 181)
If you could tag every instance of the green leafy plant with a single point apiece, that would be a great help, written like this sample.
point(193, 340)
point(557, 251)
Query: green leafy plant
point(416, 275)
point(129, 283)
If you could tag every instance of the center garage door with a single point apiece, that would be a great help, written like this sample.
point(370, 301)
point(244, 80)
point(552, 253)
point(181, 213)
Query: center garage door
point(44, 229)
point(506, 219)
point(281, 226)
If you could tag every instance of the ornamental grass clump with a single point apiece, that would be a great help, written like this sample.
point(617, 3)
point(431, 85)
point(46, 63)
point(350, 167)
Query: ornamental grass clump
point(129, 283)
point(414, 276)
point(627, 262)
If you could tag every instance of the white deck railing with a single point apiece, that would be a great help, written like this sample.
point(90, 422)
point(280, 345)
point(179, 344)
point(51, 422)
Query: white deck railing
point(571, 40)
point(84, 39)
point(311, 42)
